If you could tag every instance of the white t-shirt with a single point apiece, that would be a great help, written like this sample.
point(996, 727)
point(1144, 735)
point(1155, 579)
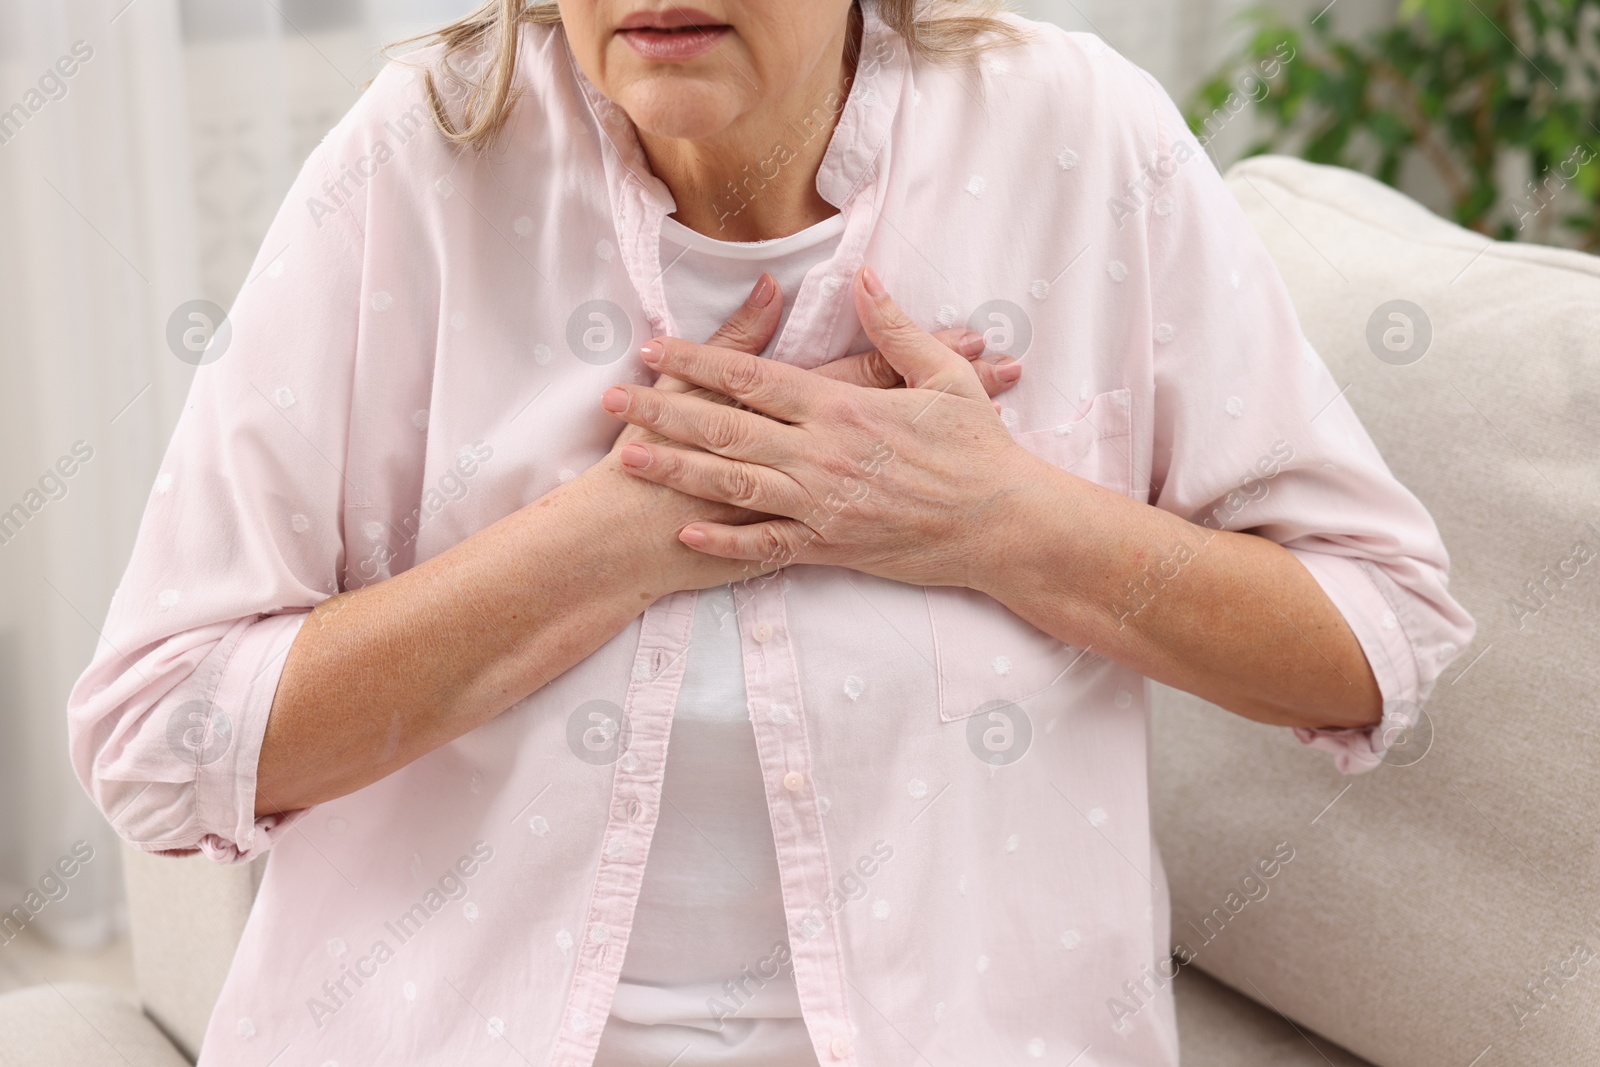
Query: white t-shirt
point(706, 980)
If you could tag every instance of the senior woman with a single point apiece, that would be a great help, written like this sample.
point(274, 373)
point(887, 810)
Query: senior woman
point(606, 697)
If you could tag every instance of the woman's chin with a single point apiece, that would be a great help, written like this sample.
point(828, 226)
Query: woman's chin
point(683, 112)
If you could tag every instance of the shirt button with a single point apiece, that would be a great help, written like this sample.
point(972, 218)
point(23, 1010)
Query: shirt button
point(761, 631)
point(793, 781)
point(840, 1047)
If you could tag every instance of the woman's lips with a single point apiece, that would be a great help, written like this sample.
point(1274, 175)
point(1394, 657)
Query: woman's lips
point(675, 45)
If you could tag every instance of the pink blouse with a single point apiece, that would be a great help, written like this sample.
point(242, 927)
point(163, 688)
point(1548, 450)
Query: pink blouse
point(959, 802)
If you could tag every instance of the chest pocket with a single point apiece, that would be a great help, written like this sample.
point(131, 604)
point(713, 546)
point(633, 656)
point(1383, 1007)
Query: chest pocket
point(983, 652)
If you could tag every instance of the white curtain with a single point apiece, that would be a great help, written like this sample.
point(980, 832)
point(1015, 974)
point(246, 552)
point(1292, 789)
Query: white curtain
point(140, 181)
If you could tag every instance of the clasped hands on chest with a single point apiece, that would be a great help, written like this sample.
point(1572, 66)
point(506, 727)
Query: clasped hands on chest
point(882, 461)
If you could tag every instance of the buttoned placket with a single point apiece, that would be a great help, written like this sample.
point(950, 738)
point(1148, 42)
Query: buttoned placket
point(772, 686)
point(635, 804)
point(771, 672)
point(772, 682)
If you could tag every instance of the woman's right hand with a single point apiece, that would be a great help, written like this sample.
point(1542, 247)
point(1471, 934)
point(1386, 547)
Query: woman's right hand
point(660, 512)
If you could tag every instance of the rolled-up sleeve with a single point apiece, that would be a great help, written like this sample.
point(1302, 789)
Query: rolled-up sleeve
point(1251, 433)
point(241, 537)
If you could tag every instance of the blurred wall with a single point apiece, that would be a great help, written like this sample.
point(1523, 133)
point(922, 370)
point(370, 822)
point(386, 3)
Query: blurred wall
point(1182, 41)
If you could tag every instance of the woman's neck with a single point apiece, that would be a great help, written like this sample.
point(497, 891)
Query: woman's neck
point(757, 179)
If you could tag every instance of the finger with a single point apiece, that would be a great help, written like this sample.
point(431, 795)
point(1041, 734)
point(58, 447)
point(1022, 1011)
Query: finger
point(996, 378)
point(748, 329)
point(870, 370)
point(774, 543)
point(911, 350)
point(714, 478)
point(702, 423)
point(772, 388)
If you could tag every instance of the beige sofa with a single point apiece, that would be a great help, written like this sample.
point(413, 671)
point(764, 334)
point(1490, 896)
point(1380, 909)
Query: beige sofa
point(1436, 913)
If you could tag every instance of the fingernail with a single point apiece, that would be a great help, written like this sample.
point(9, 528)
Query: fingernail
point(972, 344)
point(763, 293)
point(692, 537)
point(874, 284)
point(1008, 372)
point(652, 351)
point(614, 400)
point(633, 455)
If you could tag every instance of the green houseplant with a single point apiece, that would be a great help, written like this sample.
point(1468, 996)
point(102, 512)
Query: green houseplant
point(1498, 99)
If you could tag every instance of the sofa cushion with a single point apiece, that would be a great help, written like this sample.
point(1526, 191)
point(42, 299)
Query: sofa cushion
point(71, 1024)
point(1220, 1028)
point(1443, 911)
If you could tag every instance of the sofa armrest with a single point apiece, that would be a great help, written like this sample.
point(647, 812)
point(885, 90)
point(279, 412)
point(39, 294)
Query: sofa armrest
point(71, 1024)
point(186, 916)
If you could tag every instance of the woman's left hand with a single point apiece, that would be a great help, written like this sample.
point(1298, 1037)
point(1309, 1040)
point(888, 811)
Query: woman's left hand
point(905, 483)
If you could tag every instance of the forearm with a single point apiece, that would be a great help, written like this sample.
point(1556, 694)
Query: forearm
point(380, 676)
point(1231, 617)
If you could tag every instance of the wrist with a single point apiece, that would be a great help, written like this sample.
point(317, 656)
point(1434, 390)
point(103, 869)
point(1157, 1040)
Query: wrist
point(630, 529)
point(1018, 519)
point(1053, 549)
point(592, 528)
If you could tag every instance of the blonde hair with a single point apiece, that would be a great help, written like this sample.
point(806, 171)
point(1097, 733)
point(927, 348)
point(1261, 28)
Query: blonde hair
point(941, 31)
